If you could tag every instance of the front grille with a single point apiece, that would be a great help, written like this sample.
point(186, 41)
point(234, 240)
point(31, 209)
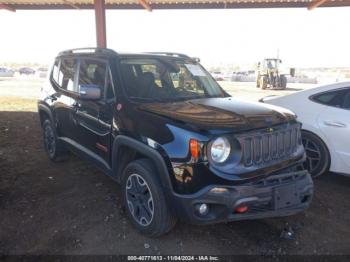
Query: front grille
point(269, 145)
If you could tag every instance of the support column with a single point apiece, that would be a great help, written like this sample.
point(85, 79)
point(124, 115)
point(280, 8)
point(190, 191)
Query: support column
point(100, 15)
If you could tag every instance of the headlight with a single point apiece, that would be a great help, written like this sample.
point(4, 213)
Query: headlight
point(220, 149)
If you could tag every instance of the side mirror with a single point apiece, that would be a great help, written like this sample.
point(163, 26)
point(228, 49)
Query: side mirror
point(89, 92)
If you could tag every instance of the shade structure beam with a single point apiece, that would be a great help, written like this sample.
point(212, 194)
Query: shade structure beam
point(145, 5)
point(7, 7)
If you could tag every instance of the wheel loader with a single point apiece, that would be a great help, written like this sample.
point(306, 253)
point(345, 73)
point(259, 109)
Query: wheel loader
point(269, 75)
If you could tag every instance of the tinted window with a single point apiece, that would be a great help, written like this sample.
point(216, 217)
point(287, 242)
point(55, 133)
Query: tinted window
point(66, 74)
point(92, 72)
point(150, 79)
point(333, 98)
point(154, 70)
point(346, 103)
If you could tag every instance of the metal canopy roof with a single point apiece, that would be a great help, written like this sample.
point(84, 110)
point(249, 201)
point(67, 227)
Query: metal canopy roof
point(101, 5)
point(168, 4)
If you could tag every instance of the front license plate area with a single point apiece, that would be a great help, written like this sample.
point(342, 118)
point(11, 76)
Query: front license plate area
point(286, 196)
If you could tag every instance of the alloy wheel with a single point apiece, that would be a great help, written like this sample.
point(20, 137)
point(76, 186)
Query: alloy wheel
point(139, 200)
point(313, 155)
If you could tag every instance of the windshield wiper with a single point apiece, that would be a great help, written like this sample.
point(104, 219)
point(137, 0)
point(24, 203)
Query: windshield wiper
point(149, 99)
point(188, 97)
point(166, 99)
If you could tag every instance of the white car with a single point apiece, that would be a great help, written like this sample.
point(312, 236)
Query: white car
point(218, 76)
point(41, 72)
point(5, 72)
point(325, 114)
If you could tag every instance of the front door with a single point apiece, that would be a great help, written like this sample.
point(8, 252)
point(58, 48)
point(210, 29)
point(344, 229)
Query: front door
point(94, 117)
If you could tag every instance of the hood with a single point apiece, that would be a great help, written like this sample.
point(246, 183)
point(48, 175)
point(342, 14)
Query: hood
point(221, 113)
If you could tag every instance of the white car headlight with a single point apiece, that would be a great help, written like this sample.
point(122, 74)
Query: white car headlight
point(220, 149)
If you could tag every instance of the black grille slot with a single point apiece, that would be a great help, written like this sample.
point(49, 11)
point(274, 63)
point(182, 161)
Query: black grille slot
point(266, 147)
point(263, 147)
point(274, 146)
point(257, 149)
point(248, 160)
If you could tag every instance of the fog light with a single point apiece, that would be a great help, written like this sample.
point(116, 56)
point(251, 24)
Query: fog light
point(241, 209)
point(203, 209)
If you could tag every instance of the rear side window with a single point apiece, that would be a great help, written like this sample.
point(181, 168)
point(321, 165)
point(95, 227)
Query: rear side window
point(346, 103)
point(333, 98)
point(66, 74)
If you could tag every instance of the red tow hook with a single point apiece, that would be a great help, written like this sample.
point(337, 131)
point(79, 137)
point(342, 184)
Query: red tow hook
point(241, 209)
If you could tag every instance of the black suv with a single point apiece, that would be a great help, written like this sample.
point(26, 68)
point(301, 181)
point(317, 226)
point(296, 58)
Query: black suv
point(178, 144)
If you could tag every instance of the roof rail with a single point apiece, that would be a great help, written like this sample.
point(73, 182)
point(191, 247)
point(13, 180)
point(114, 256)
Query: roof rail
point(169, 54)
point(87, 50)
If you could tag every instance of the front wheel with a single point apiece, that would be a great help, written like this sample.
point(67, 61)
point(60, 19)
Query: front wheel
point(263, 82)
point(317, 155)
point(144, 199)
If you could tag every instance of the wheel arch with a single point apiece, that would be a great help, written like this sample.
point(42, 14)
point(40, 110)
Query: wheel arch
point(126, 149)
point(44, 112)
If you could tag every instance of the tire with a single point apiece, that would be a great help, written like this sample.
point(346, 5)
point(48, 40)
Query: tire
point(283, 82)
point(318, 159)
point(144, 200)
point(54, 148)
point(263, 82)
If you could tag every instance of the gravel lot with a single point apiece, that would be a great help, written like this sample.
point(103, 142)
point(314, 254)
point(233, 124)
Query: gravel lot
point(72, 208)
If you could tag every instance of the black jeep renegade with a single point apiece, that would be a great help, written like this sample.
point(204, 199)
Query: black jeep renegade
point(178, 144)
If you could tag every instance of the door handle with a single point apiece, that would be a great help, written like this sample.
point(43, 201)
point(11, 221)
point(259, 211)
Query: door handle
point(334, 123)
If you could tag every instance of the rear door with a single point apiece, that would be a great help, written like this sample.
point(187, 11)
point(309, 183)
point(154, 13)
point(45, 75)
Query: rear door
point(334, 122)
point(94, 117)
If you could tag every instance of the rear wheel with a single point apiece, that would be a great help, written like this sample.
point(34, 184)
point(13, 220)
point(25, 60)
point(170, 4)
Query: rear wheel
point(317, 155)
point(283, 81)
point(54, 147)
point(144, 199)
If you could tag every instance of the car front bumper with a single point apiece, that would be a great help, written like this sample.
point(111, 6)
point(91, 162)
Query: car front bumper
point(275, 196)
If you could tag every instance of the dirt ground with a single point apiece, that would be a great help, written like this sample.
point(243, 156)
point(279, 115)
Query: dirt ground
point(72, 208)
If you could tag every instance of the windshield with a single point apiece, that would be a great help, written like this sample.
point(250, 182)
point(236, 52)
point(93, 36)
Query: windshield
point(167, 79)
point(271, 64)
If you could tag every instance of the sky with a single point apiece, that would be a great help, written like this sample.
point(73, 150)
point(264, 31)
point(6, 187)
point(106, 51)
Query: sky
point(318, 38)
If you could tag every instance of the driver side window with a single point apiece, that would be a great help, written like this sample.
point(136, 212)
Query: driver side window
point(94, 72)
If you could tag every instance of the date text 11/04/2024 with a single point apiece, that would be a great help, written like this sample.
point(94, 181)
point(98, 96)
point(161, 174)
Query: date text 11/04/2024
point(173, 258)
